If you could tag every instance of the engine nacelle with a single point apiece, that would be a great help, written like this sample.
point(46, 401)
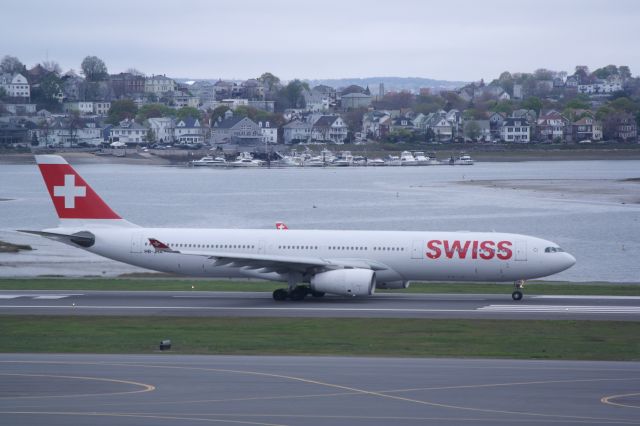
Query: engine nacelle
point(393, 285)
point(345, 282)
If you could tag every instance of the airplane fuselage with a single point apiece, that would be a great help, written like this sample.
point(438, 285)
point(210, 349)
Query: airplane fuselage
point(404, 256)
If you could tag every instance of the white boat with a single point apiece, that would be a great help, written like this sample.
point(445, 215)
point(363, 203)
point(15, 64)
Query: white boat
point(393, 160)
point(407, 159)
point(359, 160)
point(315, 162)
point(421, 159)
point(345, 159)
point(245, 159)
point(209, 161)
point(463, 160)
point(376, 162)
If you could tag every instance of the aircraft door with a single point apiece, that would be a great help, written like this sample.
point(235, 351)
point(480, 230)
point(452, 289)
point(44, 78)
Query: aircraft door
point(417, 251)
point(136, 243)
point(520, 248)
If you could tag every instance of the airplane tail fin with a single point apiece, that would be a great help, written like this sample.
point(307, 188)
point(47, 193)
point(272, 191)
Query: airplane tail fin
point(76, 203)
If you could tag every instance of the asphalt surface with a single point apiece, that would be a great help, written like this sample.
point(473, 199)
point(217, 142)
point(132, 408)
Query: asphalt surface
point(386, 305)
point(307, 391)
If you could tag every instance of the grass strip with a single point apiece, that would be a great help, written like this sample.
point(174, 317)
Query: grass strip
point(549, 339)
point(175, 284)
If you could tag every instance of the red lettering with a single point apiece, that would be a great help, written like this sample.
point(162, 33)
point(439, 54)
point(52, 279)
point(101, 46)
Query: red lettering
point(434, 248)
point(456, 247)
point(474, 250)
point(504, 251)
point(487, 250)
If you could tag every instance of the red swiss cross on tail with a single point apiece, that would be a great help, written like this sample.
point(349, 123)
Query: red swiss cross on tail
point(72, 197)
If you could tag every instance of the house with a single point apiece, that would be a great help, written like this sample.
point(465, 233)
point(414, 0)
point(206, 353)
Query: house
point(572, 82)
point(20, 108)
point(402, 123)
point(599, 88)
point(87, 108)
point(129, 132)
point(269, 106)
point(159, 84)
point(12, 134)
point(528, 114)
point(182, 100)
point(296, 132)
point(269, 133)
point(376, 124)
point(316, 100)
point(552, 126)
point(329, 128)
point(516, 130)
point(15, 86)
point(625, 128)
point(226, 89)
point(587, 129)
point(65, 133)
point(252, 89)
point(189, 131)
point(241, 131)
point(355, 100)
point(126, 84)
point(162, 129)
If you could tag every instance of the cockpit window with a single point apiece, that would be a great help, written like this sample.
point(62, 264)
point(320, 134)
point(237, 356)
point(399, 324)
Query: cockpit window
point(553, 250)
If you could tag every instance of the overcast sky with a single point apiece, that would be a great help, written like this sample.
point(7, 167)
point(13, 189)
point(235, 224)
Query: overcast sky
point(445, 39)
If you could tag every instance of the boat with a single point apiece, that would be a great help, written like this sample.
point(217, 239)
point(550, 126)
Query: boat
point(245, 159)
point(421, 159)
point(463, 160)
point(209, 161)
point(315, 162)
point(345, 159)
point(359, 160)
point(376, 162)
point(407, 159)
point(393, 160)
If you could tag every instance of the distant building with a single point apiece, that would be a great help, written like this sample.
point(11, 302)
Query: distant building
point(16, 85)
point(159, 84)
point(296, 132)
point(162, 128)
point(516, 130)
point(552, 126)
point(269, 134)
point(587, 129)
point(329, 128)
point(129, 132)
point(126, 84)
point(87, 108)
point(241, 131)
point(355, 100)
point(189, 131)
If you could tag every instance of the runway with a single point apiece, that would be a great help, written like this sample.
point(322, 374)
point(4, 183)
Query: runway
point(256, 304)
point(309, 391)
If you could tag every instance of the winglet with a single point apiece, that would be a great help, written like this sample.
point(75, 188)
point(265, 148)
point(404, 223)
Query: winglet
point(159, 246)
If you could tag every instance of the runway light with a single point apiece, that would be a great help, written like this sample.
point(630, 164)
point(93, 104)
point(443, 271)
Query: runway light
point(165, 345)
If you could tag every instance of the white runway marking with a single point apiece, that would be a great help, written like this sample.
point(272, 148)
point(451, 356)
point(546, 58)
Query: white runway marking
point(38, 296)
point(561, 309)
point(589, 297)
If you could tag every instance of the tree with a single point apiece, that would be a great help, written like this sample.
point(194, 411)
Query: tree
point(94, 69)
point(46, 94)
point(624, 71)
point(269, 80)
point(472, 130)
point(75, 123)
point(533, 103)
point(353, 119)
point(185, 112)
point(543, 74)
point(135, 72)
point(3, 93)
point(52, 66)
point(12, 65)
point(398, 100)
point(218, 112)
point(292, 95)
point(153, 111)
point(579, 102)
point(120, 110)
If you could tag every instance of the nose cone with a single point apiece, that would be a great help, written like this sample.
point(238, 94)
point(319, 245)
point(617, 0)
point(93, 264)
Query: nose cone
point(567, 261)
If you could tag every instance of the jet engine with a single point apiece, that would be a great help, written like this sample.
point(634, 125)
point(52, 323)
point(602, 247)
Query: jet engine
point(346, 282)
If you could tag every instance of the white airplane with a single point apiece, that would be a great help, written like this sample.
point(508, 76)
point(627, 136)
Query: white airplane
point(348, 263)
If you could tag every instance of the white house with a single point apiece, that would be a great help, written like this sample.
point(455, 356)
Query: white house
point(162, 128)
point(159, 84)
point(599, 88)
point(269, 134)
point(87, 108)
point(296, 131)
point(189, 131)
point(15, 85)
point(516, 130)
point(129, 132)
point(329, 128)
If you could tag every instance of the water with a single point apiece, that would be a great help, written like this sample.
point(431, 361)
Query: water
point(583, 211)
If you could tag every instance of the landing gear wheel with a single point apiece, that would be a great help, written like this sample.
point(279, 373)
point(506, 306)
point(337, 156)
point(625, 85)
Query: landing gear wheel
point(280, 294)
point(516, 295)
point(317, 293)
point(298, 293)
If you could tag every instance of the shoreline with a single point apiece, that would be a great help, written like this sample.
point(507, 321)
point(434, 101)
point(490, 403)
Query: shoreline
point(479, 154)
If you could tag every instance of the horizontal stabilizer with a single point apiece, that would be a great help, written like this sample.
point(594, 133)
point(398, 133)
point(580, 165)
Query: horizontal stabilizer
point(82, 238)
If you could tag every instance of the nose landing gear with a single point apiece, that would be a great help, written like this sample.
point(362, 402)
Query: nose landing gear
point(517, 294)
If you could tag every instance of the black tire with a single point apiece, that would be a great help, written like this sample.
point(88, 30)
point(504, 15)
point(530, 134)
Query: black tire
point(516, 295)
point(317, 293)
point(298, 293)
point(280, 294)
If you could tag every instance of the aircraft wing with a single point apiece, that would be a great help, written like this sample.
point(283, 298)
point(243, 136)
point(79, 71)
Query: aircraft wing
point(273, 263)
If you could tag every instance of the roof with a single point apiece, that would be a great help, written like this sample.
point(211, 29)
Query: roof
point(296, 124)
point(189, 122)
point(325, 121)
point(230, 122)
point(356, 95)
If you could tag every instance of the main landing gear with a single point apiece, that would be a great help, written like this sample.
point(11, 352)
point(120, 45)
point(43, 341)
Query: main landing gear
point(297, 293)
point(517, 294)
